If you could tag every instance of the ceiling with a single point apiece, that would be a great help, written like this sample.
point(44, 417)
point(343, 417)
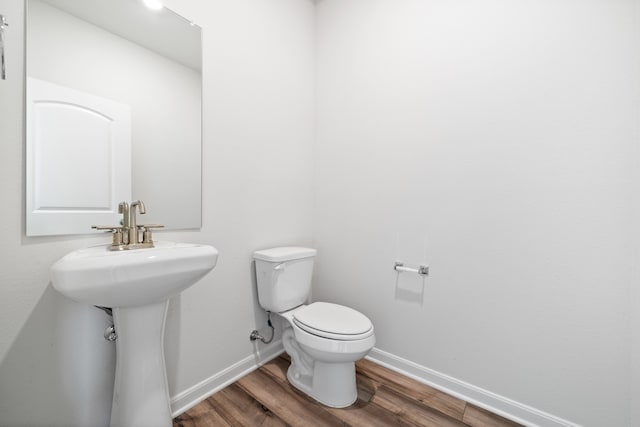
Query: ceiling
point(164, 31)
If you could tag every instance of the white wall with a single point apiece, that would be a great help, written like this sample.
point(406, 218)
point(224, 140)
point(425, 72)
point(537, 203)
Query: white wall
point(634, 298)
point(258, 114)
point(258, 132)
point(496, 141)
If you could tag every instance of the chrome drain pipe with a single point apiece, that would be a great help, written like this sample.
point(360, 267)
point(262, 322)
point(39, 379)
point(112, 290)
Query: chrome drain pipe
point(110, 333)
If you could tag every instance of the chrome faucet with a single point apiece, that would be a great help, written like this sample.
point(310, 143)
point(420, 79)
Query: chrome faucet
point(134, 236)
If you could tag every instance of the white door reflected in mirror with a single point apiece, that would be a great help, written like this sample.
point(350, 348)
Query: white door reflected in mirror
point(74, 134)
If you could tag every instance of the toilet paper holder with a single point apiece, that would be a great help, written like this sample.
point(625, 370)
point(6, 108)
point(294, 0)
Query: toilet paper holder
point(422, 269)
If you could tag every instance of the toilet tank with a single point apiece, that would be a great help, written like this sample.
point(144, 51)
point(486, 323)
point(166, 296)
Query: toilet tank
point(283, 277)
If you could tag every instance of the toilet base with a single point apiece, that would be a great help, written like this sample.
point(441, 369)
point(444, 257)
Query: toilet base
point(332, 384)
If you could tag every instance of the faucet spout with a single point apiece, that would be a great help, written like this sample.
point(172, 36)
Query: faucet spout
point(140, 205)
point(134, 237)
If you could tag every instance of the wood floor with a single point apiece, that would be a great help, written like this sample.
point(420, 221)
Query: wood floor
point(385, 398)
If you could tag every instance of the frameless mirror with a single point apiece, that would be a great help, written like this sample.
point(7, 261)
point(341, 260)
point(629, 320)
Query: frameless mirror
point(113, 114)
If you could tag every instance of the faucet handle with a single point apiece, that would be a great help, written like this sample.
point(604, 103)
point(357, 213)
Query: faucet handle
point(123, 208)
point(112, 228)
point(118, 242)
point(146, 232)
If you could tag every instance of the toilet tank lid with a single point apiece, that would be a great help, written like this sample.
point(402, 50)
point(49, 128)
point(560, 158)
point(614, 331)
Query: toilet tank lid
point(287, 253)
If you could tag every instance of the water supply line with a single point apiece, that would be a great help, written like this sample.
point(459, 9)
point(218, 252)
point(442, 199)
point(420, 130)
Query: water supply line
point(255, 334)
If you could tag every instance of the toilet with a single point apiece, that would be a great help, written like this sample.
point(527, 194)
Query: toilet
point(324, 340)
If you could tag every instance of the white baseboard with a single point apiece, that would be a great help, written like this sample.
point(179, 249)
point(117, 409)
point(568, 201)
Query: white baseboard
point(190, 397)
point(495, 403)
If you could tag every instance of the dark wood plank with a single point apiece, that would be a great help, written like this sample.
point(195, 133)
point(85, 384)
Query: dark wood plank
point(184, 420)
point(239, 409)
point(201, 415)
point(412, 412)
point(368, 414)
point(284, 401)
point(277, 368)
point(478, 417)
point(362, 413)
point(366, 387)
point(412, 389)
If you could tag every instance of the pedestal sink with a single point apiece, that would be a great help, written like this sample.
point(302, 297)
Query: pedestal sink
point(137, 285)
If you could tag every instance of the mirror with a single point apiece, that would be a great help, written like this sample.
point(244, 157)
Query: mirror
point(147, 65)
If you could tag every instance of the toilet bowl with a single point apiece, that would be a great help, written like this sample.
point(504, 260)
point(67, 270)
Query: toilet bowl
point(323, 339)
point(323, 360)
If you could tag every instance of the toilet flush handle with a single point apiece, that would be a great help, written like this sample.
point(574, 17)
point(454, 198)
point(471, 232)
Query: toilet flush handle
point(279, 266)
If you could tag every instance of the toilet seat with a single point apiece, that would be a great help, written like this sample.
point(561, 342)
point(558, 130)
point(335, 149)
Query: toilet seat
point(333, 321)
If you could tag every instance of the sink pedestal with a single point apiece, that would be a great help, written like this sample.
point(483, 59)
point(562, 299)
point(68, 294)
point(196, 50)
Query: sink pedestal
point(137, 285)
point(140, 394)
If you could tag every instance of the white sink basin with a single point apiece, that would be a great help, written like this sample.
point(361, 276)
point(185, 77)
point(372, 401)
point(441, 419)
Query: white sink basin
point(98, 276)
point(137, 285)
